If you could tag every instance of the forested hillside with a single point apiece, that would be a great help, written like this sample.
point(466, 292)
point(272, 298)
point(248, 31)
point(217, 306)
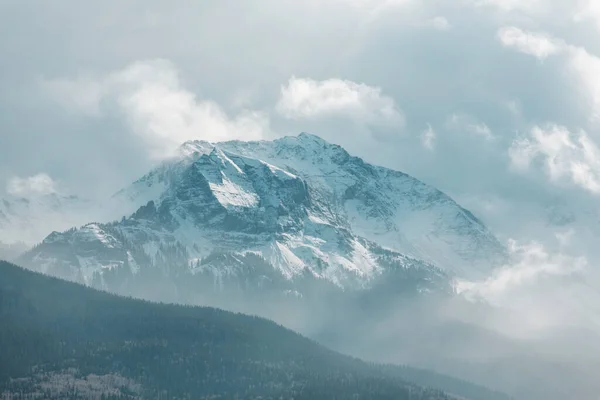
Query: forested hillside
point(62, 340)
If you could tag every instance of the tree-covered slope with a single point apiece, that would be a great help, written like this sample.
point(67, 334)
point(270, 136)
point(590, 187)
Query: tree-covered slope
point(55, 333)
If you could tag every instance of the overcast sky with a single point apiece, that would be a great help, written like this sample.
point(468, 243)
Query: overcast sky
point(473, 96)
point(496, 102)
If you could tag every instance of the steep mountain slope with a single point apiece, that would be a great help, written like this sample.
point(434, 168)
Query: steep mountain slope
point(385, 206)
point(388, 207)
point(62, 340)
point(285, 215)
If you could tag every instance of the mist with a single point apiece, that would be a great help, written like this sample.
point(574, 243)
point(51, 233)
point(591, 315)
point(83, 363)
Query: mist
point(536, 338)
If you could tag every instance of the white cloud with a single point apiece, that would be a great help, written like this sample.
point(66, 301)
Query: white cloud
point(512, 5)
point(565, 238)
point(428, 137)
point(161, 110)
point(440, 23)
point(482, 130)
point(538, 45)
point(588, 10)
point(514, 106)
point(158, 108)
point(585, 68)
point(307, 98)
point(467, 123)
point(541, 288)
point(532, 264)
point(564, 155)
point(40, 184)
point(375, 6)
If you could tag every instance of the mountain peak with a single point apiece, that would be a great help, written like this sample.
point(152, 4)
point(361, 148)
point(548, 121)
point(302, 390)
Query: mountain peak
point(304, 139)
point(191, 147)
point(305, 136)
point(299, 203)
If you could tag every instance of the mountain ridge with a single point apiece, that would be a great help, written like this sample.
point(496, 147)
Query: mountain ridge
point(299, 205)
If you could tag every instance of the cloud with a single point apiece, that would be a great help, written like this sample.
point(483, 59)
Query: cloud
point(585, 67)
point(565, 238)
point(514, 106)
point(375, 7)
point(153, 100)
point(512, 5)
point(304, 98)
point(533, 262)
point(428, 138)
point(40, 184)
point(440, 23)
point(588, 10)
point(538, 45)
point(542, 289)
point(467, 123)
point(564, 156)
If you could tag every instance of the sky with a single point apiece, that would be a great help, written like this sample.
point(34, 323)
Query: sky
point(495, 102)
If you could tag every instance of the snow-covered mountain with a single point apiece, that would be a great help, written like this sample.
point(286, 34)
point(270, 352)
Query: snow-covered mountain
point(274, 214)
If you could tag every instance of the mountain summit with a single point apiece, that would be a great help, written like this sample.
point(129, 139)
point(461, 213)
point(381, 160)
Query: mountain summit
point(275, 213)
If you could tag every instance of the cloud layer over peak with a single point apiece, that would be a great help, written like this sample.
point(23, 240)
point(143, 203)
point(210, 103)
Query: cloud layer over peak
point(157, 108)
point(307, 98)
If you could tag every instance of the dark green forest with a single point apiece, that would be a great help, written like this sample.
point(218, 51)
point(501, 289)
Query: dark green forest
point(52, 329)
